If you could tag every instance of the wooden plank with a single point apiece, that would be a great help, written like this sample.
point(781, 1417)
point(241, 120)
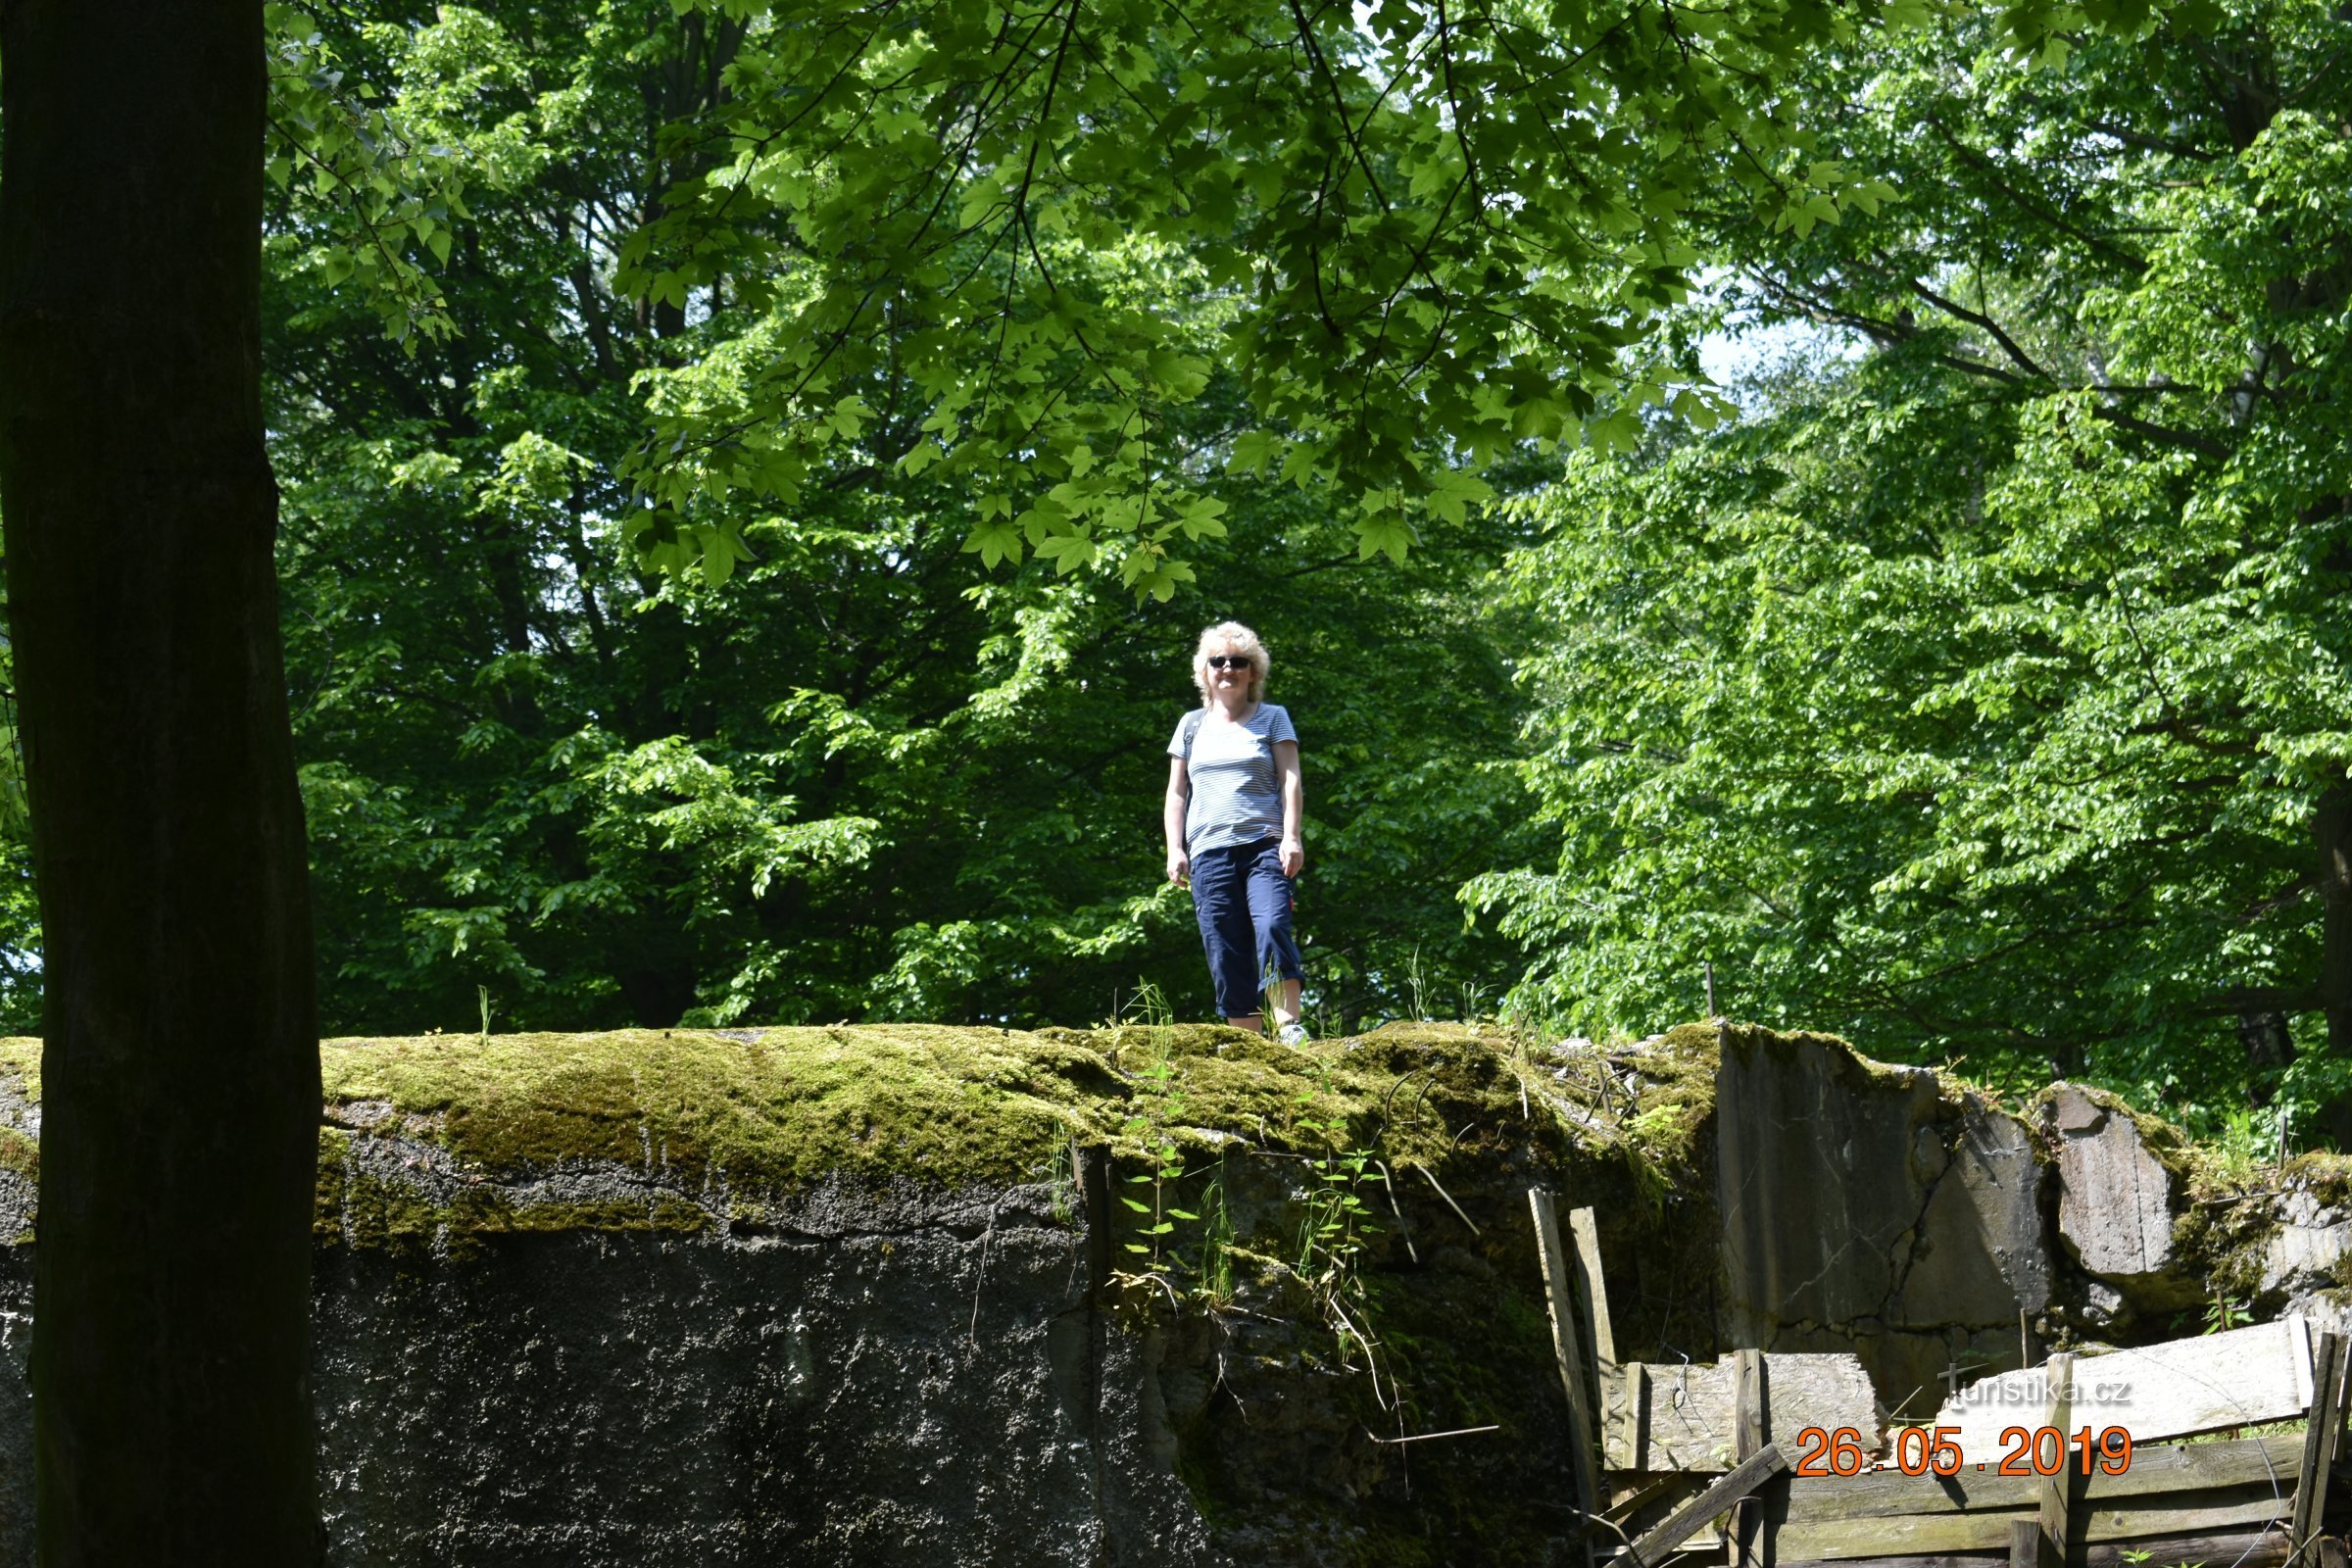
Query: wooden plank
point(2025, 1542)
point(1686, 1417)
point(1627, 1423)
point(1748, 1441)
point(1561, 1301)
point(2260, 1549)
point(1652, 1549)
point(1989, 1531)
point(1831, 1540)
point(1891, 1491)
point(2052, 1499)
point(1593, 1295)
point(2183, 1516)
point(2179, 1388)
point(2155, 1468)
point(2318, 1440)
point(1747, 1402)
point(2319, 1436)
point(2186, 1466)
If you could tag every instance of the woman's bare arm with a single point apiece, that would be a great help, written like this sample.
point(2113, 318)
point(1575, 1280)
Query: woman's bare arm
point(1171, 820)
point(1294, 807)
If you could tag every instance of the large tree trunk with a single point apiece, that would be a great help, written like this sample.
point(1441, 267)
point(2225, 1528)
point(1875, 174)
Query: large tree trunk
point(171, 1410)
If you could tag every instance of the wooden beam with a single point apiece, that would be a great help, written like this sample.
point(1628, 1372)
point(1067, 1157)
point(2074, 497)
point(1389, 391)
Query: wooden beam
point(2024, 1543)
point(1749, 1424)
point(1652, 1549)
point(1591, 1295)
point(2053, 1489)
point(2318, 1436)
point(1563, 1304)
point(1748, 1403)
point(1635, 1444)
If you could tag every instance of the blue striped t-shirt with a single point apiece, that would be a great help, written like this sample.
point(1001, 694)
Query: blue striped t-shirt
point(1237, 792)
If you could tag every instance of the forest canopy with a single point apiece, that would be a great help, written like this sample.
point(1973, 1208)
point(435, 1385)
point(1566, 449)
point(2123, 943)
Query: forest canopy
point(750, 489)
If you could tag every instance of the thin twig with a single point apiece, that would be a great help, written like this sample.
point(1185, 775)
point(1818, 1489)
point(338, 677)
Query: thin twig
point(1404, 1227)
point(1424, 1437)
point(1431, 1179)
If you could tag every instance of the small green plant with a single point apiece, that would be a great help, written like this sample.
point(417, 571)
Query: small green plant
point(1332, 1233)
point(1153, 1004)
point(1159, 1105)
point(1212, 1271)
point(1062, 1184)
point(2225, 1312)
point(1419, 982)
point(1147, 1006)
point(1324, 1023)
point(484, 993)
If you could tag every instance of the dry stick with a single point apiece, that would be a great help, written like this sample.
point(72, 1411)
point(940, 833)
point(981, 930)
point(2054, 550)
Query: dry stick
point(971, 1334)
point(1404, 1227)
point(1449, 1203)
point(1424, 1437)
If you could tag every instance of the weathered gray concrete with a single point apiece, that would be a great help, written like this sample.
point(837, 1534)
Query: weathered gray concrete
point(911, 1383)
point(1865, 1211)
point(906, 1380)
point(2116, 1201)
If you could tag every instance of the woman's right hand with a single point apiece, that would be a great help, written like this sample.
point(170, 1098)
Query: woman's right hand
point(1180, 867)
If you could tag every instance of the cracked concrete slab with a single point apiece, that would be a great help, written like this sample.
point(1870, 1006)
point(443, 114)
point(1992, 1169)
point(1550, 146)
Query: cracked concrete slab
point(1867, 1209)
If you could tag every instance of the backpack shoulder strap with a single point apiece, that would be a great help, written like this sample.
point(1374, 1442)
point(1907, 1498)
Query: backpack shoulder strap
point(1191, 732)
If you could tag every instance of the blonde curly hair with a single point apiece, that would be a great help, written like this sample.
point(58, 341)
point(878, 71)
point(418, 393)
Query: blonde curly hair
point(1232, 637)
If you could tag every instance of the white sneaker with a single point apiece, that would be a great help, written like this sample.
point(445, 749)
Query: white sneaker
point(1291, 1034)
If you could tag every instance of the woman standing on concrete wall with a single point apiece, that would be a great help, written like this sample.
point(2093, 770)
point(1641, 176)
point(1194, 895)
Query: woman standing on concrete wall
point(1232, 820)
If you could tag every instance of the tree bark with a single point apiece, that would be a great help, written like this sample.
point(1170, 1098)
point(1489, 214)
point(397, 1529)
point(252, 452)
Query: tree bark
point(2270, 1051)
point(2331, 825)
point(171, 1408)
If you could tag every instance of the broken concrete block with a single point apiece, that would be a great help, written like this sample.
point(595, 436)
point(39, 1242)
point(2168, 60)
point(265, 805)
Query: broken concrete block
point(1866, 1210)
point(2116, 1197)
point(2309, 1247)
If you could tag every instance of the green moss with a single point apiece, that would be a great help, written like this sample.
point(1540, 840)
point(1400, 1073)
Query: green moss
point(21, 1059)
point(20, 1155)
point(947, 1106)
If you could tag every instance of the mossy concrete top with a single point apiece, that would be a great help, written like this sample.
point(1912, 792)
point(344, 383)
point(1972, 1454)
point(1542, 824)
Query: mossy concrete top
point(728, 1124)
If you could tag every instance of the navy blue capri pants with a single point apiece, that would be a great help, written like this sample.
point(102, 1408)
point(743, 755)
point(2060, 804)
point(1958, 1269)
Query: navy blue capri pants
point(1244, 903)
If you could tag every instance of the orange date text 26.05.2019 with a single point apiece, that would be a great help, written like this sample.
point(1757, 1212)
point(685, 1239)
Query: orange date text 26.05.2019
point(1925, 1451)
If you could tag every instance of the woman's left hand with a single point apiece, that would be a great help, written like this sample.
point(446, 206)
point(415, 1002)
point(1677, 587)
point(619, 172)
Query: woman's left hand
point(1294, 857)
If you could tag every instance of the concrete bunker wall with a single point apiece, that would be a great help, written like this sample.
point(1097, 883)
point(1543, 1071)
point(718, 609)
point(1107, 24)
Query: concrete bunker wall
point(846, 1295)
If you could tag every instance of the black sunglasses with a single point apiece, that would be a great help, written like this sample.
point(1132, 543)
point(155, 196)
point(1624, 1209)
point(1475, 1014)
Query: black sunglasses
point(1231, 662)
